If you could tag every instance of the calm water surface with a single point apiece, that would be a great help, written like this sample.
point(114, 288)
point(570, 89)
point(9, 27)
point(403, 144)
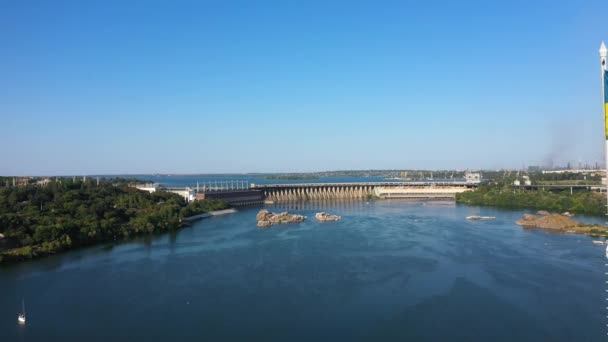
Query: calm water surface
point(387, 271)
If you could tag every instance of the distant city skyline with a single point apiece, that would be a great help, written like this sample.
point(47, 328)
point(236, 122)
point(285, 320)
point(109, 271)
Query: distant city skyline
point(243, 87)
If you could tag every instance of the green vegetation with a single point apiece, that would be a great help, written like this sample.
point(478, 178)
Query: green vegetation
point(566, 178)
point(42, 220)
point(581, 202)
point(569, 182)
point(370, 197)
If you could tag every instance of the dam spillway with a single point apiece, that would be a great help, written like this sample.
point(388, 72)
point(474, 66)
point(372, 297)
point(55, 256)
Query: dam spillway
point(329, 191)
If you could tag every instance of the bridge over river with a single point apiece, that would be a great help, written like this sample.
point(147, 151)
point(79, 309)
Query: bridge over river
point(325, 191)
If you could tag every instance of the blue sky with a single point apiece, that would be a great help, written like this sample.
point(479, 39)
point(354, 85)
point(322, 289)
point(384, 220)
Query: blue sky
point(97, 87)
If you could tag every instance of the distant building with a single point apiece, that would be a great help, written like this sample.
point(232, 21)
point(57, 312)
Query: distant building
point(43, 182)
point(581, 171)
point(21, 181)
point(151, 187)
point(238, 197)
point(187, 193)
point(472, 177)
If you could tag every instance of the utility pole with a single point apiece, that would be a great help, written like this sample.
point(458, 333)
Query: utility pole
point(604, 67)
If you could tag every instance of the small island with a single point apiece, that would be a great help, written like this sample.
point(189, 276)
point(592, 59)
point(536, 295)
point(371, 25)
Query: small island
point(266, 219)
point(560, 223)
point(481, 218)
point(325, 217)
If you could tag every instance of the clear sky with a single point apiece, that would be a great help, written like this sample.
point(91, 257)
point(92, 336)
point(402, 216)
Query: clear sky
point(97, 87)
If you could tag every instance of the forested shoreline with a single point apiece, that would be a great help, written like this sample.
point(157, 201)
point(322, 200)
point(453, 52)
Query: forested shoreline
point(499, 195)
point(40, 220)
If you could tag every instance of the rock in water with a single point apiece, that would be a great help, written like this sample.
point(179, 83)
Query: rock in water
point(543, 212)
point(266, 218)
point(551, 221)
point(323, 217)
point(481, 218)
point(528, 219)
point(262, 215)
point(264, 223)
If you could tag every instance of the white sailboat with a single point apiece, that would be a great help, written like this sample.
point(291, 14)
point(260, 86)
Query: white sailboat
point(21, 317)
point(607, 251)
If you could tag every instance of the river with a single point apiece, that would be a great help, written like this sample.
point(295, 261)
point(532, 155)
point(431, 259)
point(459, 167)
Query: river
point(389, 270)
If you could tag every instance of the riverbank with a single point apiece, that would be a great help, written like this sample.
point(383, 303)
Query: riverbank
point(37, 221)
point(18, 254)
point(582, 202)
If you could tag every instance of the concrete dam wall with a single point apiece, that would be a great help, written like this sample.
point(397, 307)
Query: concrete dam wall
point(320, 192)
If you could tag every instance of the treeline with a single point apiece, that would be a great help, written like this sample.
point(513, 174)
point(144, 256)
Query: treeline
point(566, 177)
point(507, 177)
point(581, 202)
point(41, 220)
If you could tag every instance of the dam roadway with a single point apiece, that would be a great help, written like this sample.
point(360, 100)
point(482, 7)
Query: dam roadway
point(361, 190)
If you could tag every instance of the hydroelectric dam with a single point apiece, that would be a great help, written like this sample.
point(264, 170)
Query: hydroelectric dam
point(384, 190)
point(241, 193)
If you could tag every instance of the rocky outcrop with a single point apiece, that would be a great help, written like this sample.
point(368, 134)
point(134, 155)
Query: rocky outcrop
point(480, 218)
point(543, 212)
point(549, 221)
point(264, 223)
point(262, 215)
point(324, 217)
point(267, 219)
point(562, 224)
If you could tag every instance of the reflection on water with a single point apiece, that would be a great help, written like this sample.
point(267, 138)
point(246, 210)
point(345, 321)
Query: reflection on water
point(335, 204)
